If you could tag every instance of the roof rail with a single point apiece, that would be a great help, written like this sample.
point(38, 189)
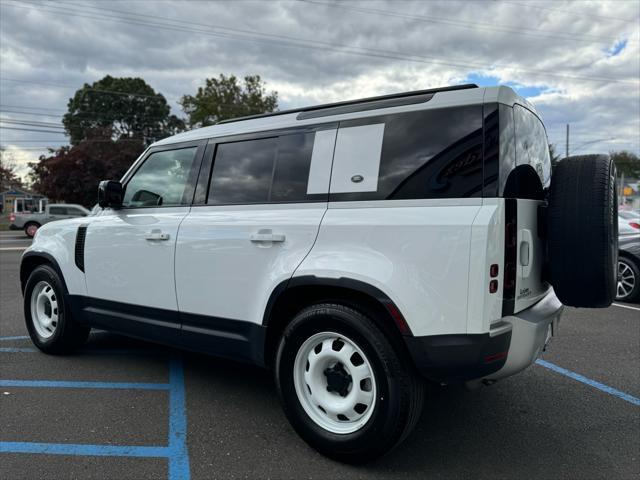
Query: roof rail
point(415, 93)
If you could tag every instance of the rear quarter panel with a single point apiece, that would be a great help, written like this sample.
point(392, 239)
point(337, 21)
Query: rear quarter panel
point(415, 251)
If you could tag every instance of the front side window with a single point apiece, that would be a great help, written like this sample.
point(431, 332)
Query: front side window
point(162, 180)
point(58, 210)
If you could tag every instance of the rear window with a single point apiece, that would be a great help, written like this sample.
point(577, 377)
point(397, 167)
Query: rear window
point(263, 170)
point(423, 154)
point(532, 146)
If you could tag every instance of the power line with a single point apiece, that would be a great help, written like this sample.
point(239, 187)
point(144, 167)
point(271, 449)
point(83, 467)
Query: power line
point(31, 130)
point(533, 32)
point(315, 45)
point(602, 17)
point(31, 124)
point(25, 107)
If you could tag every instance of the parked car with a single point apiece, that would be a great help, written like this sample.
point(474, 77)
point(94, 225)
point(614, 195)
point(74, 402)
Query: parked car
point(30, 222)
point(355, 248)
point(628, 269)
point(628, 223)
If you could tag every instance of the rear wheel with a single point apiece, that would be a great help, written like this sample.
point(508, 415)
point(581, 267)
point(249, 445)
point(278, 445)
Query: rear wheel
point(31, 228)
point(343, 387)
point(49, 322)
point(628, 280)
point(583, 231)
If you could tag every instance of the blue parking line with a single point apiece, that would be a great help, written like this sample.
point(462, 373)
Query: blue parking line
point(84, 450)
point(18, 350)
point(179, 459)
point(592, 383)
point(21, 337)
point(66, 384)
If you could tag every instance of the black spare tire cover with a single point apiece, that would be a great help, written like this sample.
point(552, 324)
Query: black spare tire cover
point(583, 231)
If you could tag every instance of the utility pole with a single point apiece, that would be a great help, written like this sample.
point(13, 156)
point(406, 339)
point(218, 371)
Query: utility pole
point(567, 149)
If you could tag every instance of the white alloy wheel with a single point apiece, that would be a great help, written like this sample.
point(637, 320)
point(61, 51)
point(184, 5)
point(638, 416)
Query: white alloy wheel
point(626, 280)
point(44, 309)
point(334, 382)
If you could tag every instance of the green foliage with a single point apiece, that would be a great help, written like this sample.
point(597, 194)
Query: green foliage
point(71, 174)
point(119, 108)
point(627, 163)
point(8, 176)
point(224, 97)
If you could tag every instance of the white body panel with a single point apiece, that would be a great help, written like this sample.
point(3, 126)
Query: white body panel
point(58, 240)
point(221, 272)
point(124, 265)
point(529, 285)
point(487, 248)
point(415, 251)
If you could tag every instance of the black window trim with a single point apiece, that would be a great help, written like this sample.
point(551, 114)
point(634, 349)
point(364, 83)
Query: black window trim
point(201, 195)
point(193, 173)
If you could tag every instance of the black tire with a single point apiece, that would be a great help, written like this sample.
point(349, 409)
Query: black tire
point(583, 231)
point(400, 391)
point(30, 224)
point(67, 335)
point(634, 273)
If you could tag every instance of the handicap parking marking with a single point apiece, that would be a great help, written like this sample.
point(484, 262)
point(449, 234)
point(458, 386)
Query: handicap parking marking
point(63, 384)
point(176, 451)
point(587, 381)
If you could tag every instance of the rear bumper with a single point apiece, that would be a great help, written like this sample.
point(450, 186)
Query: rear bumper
point(13, 226)
point(513, 344)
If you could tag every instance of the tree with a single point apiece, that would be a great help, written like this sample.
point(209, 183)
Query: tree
point(119, 108)
point(8, 176)
point(224, 97)
point(71, 174)
point(627, 163)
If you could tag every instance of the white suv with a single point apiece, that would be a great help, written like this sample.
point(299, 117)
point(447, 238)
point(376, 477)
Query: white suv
point(355, 248)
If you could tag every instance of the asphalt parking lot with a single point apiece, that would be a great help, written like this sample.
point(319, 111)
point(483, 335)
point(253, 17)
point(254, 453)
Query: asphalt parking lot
point(128, 409)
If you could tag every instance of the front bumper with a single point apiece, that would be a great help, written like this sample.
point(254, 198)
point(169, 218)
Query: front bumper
point(513, 343)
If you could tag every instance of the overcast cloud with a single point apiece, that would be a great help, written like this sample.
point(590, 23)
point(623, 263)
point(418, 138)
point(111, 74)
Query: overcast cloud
point(578, 62)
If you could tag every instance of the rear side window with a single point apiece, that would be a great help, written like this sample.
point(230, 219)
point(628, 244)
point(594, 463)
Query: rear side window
point(263, 170)
point(414, 155)
point(58, 210)
point(532, 147)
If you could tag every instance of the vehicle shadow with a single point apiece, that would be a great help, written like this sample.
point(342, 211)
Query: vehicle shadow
point(507, 430)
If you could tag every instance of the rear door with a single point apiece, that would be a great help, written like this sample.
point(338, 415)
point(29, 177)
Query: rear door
point(256, 217)
point(531, 148)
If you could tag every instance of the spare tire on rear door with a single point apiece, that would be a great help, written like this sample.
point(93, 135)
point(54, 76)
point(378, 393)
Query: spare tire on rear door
point(583, 231)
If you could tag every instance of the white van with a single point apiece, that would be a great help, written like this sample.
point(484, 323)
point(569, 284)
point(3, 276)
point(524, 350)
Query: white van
point(356, 249)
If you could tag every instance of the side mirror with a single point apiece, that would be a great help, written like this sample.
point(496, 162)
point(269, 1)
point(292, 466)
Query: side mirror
point(110, 194)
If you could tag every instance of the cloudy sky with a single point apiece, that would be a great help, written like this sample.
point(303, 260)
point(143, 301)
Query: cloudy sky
point(577, 61)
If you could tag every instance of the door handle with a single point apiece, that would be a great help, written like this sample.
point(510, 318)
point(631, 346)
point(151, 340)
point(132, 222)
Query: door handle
point(156, 235)
point(266, 235)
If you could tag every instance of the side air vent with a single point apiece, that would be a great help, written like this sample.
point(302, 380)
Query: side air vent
point(80, 238)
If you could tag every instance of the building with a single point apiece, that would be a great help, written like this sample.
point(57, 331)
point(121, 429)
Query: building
point(27, 200)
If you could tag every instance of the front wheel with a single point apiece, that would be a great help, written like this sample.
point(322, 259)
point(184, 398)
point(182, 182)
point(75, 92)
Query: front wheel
point(49, 322)
point(343, 386)
point(30, 229)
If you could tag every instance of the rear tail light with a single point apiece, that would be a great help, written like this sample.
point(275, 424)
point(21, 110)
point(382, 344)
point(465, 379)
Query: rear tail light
point(12, 217)
point(635, 225)
point(493, 286)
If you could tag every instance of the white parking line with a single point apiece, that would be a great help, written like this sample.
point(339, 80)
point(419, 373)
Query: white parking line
point(618, 305)
point(12, 248)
